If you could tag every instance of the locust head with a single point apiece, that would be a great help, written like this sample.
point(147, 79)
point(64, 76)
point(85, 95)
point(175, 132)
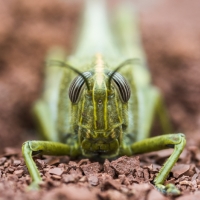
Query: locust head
point(99, 100)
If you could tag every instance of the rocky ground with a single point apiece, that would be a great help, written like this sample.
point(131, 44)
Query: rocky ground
point(170, 33)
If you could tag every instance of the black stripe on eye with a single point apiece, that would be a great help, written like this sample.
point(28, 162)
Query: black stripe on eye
point(75, 89)
point(122, 86)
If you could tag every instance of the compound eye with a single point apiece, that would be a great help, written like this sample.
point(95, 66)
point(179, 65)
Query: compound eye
point(76, 87)
point(122, 86)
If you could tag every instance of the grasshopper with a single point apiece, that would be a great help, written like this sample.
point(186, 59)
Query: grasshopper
point(100, 102)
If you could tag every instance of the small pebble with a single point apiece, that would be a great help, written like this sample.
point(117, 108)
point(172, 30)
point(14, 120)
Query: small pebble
point(11, 170)
point(68, 178)
point(93, 180)
point(185, 182)
point(18, 172)
point(83, 179)
point(6, 164)
point(12, 177)
point(40, 162)
point(16, 162)
point(2, 160)
point(56, 171)
point(56, 177)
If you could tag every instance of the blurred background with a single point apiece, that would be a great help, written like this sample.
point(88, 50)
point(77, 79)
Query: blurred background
point(171, 37)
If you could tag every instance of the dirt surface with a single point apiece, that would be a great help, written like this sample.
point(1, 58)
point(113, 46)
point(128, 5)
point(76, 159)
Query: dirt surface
point(170, 33)
point(121, 179)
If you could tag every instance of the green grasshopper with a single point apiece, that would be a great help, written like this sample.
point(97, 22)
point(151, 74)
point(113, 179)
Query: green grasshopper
point(100, 102)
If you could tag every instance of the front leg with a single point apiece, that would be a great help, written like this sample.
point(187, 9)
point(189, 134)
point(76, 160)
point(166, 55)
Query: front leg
point(176, 141)
point(46, 148)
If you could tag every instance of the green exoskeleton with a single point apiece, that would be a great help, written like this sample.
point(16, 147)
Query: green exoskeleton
point(99, 102)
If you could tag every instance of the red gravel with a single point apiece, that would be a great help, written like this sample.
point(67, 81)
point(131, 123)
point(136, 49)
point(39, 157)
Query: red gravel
point(123, 178)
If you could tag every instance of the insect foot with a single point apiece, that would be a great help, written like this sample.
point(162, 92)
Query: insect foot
point(169, 190)
point(177, 141)
point(34, 186)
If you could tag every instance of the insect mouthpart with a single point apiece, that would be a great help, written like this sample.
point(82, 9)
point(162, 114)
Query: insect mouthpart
point(100, 147)
point(105, 144)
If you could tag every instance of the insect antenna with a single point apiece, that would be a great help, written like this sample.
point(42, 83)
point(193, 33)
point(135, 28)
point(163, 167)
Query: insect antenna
point(63, 64)
point(123, 64)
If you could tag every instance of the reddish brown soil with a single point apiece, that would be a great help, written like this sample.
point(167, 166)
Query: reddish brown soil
point(171, 32)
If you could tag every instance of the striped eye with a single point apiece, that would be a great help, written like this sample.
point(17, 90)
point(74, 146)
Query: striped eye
point(76, 87)
point(122, 86)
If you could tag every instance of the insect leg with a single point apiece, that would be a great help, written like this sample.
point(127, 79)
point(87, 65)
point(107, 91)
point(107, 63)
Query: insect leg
point(45, 125)
point(176, 141)
point(151, 105)
point(45, 110)
point(46, 148)
point(148, 103)
point(162, 115)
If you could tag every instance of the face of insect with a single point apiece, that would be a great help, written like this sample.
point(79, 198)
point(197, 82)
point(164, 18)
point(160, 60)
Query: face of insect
point(102, 114)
